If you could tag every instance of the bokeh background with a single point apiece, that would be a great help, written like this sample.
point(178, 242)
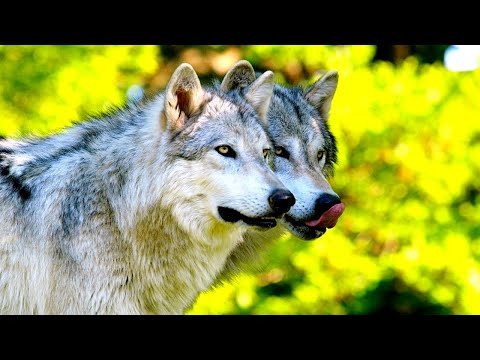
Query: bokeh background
point(407, 121)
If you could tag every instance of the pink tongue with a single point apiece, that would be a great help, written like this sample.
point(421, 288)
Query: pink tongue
point(329, 218)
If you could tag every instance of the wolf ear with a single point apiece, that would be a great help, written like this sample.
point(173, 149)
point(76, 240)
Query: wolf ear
point(183, 96)
point(260, 93)
point(321, 93)
point(238, 77)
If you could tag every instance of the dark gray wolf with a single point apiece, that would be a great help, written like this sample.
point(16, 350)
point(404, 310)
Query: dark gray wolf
point(305, 154)
point(136, 212)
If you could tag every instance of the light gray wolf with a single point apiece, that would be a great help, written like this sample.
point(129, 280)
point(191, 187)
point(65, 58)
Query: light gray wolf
point(305, 154)
point(136, 212)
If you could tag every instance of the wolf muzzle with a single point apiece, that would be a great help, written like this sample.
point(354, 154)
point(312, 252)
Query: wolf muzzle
point(280, 202)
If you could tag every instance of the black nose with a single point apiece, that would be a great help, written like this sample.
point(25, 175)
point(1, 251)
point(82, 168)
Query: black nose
point(325, 202)
point(281, 201)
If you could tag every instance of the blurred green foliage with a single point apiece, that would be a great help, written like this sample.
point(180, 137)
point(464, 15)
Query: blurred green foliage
point(45, 88)
point(409, 169)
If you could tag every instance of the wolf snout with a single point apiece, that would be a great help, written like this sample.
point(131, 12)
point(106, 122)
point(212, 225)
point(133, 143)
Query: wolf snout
point(281, 201)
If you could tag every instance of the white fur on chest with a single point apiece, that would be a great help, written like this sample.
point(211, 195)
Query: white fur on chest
point(169, 271)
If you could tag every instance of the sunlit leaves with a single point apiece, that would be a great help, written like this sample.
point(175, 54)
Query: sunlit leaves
point(44, 88)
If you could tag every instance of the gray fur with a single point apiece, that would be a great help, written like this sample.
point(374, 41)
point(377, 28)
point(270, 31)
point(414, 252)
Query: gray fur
point(119, 214)
point(292, 115)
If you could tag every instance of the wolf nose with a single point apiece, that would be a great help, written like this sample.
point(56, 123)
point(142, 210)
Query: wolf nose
point(325, 202)
point(281, 201)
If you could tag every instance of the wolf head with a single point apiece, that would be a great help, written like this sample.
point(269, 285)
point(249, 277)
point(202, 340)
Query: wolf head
point(304, 146)
point(219, 152)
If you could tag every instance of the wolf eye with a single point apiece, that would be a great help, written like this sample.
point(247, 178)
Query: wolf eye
point(226, 150)
point(265, 152)
point(320, 155)
point(280, 151)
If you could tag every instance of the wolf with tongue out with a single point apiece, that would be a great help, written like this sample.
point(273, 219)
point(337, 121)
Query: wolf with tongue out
point(305, 154)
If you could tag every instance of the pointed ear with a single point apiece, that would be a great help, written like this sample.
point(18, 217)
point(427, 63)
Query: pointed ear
point(321, 93)
point(239, 76)
point(260, 93)
point(183, 96)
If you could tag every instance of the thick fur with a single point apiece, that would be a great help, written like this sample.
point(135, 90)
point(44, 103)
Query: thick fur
point(119, 215)
point(297, 122)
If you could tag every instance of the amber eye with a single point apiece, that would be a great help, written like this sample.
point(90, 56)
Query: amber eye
point(320, 155)
point(265, 152)
point(226, 150)
point(280, 151)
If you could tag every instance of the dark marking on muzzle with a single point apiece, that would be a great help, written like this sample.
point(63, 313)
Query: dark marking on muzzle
point(16, 182)
point(232, 215)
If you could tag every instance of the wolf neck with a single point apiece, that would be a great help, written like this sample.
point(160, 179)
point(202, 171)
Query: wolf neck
point(175, 265)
